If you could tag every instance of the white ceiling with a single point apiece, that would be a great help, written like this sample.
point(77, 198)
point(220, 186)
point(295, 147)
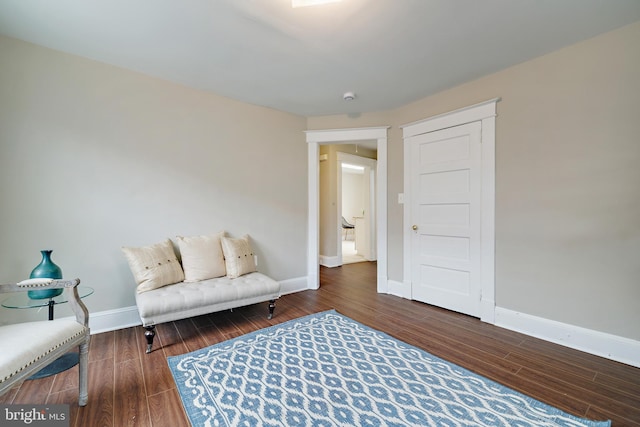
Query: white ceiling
point(389, 52)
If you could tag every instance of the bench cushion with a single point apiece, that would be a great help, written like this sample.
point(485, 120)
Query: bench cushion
point(182, 300)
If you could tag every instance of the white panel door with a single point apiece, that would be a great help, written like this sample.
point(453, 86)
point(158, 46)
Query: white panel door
point(445, 213)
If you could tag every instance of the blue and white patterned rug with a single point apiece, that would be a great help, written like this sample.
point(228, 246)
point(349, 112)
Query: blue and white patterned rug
point(328, 370)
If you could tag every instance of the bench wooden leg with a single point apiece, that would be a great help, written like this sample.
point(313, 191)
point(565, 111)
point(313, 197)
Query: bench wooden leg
point(150, 334)
point(272, 306)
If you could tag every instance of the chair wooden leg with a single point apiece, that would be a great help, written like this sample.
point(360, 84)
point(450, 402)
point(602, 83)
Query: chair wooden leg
point(83, 363)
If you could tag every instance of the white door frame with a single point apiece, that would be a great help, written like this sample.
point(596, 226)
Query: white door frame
point(335, 136)
point(484, 112)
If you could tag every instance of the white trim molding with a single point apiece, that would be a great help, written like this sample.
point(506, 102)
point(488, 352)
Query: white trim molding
point(399, 289)
point(314, 139)
point(461, 116)
point(291, 286)
point(313, 216)
point(330, 261)
point(330, 136)
point(613, 347)
point(485, 113)
point(111, 320)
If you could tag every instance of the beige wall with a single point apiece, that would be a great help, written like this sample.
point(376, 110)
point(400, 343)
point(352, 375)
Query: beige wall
point(328, 190)
point(93, 157)
point(567, 180)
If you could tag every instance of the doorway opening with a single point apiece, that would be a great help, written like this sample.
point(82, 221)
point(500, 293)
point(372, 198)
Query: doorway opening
point(347, 219)
point(316, 138)
point(356, 205)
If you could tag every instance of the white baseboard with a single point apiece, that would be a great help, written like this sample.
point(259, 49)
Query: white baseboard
point(329, 261)
point(613, 347)
point(290, 286)
point(399, 289)
point(111, 320)
point(620, 349)
point(488, 311)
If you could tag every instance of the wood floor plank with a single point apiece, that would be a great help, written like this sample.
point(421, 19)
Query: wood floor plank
point(156, 373)
point(631, 388)
point(190, 335)
point(202, 321)
point(66, 380)
point(578, 385)
point(550, 365)
point(166, 409)
point(168, 339)
point(126, 345)
point(589, 361)
point(66, 397)
point(579, 389)
point(599, 413)
point(102, 346)
point(34, 391)
point(7, 398)
point(99, 410)
point(487, 344)
point(466, 355)
point(211, 334)
point(222, 322)
point(130, 407)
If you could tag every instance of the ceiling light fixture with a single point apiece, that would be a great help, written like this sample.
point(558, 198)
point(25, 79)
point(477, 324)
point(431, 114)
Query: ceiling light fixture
point(303, 3)
point(349, 96)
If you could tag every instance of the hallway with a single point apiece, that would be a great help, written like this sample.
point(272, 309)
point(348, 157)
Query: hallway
point(349, 254)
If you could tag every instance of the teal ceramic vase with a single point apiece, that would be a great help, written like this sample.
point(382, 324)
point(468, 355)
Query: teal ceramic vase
point(47, 269)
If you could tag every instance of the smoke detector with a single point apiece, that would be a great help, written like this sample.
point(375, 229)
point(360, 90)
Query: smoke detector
point(349, 96)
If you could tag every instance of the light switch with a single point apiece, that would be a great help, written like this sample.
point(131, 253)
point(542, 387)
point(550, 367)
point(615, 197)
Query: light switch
point(401, 198)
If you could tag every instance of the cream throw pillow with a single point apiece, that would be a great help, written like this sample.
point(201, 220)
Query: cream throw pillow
point(238, 256)
point(202, 257)
point(154, 266)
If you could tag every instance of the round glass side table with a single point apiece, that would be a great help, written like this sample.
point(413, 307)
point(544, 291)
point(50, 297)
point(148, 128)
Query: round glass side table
point(22, 301)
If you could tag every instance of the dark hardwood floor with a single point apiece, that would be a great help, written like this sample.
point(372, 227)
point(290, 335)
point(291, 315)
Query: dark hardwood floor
point(130, 388)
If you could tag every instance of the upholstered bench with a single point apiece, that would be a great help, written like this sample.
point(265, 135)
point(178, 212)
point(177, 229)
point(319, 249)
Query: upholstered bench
point(216, 273)
point(189, 299)
point(30, 346)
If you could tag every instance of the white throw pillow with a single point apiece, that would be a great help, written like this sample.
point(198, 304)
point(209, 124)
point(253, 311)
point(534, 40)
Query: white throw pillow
point(154, 266)
point(238, 256)
point(202, 257)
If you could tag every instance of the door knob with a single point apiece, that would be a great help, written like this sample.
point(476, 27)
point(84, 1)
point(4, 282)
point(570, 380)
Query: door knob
point(414, 228)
